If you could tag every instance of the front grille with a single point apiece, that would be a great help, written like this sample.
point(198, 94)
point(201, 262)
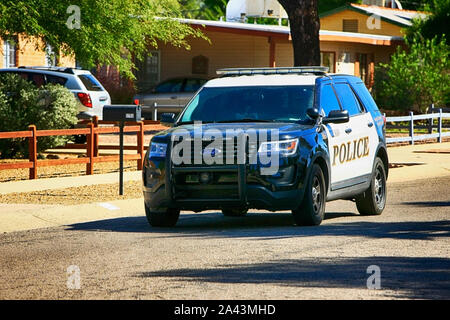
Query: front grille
point(228, 153)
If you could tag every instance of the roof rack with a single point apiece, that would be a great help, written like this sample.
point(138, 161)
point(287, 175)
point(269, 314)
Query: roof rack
point(316, 70)
point(58, 69)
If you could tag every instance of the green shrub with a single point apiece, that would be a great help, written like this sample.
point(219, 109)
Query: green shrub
point(23, 104)
point(415, 78)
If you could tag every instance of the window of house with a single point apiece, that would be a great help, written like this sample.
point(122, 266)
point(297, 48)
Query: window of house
point(327, 59)
point(9, 53)
point(350, 25)
point(147, 74)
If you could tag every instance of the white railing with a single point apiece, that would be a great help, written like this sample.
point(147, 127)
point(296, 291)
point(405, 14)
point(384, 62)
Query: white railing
point(412, 137)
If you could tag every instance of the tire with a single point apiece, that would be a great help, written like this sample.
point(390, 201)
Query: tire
point(234, 212)
point(373, 200)
point(312, 209)
point(165, 219)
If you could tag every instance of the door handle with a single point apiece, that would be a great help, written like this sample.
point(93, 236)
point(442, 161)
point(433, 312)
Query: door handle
point(348, 130)
point(174, 97)
point(370, 124)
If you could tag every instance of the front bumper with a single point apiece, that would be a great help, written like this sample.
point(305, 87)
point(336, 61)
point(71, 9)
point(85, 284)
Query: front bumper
point(163, 189)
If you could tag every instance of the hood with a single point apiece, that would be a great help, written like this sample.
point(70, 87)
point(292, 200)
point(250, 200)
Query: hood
point(286, 130)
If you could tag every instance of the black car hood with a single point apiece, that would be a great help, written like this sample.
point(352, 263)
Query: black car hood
point(285, 129)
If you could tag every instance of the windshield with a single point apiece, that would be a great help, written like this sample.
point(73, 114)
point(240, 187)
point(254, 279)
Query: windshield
point(258, 103)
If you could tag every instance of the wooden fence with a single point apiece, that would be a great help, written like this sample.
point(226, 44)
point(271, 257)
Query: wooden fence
point(91, 132)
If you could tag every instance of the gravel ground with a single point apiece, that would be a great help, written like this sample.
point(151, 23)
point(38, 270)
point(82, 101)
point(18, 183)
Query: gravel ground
point(63, 171)
point(77, 195)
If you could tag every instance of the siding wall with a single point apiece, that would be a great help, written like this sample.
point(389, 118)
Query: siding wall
point(334, 23)
point(28, 55)
point(225, 51)
point(229, 51)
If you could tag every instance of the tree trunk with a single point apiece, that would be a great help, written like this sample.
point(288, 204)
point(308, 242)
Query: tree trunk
point(305, 25)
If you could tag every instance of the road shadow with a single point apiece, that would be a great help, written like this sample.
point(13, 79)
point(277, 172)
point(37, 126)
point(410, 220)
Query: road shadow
point(428, 203)
point(271, 226)
point(411, 277)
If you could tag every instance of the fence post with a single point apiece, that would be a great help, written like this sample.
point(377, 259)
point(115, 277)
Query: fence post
point(140, 145)
point(90, 150)
point(96, 137)
point(430, 121)
point(155, 111)
point(32, 150)
point(411, 127)
point(440, 126)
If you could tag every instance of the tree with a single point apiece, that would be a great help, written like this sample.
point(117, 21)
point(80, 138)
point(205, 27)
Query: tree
point(304, 22)
point(97, 31)
point(328, 5)
point(435, 25)
point(416, 77)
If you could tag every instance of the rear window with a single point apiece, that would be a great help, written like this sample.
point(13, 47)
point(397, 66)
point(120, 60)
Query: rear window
point(90, 82)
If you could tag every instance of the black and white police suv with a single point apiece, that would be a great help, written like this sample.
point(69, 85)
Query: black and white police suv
point(273, 139)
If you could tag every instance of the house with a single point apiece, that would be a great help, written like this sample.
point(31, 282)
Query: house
point(353, 39)
point(21, 51)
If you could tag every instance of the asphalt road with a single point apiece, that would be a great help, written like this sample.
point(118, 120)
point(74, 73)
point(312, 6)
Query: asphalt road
point(261, 256)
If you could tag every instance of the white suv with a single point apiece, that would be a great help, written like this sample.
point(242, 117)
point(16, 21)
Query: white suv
point(91, 95)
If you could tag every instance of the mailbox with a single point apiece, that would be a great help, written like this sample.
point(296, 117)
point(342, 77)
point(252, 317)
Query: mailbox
point(122, 113)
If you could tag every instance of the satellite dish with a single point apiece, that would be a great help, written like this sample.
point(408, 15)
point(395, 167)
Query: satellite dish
point(238, 9)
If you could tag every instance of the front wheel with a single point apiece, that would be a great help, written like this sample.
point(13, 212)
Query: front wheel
point(312, 209)
point(373, 200)
point(165, 218)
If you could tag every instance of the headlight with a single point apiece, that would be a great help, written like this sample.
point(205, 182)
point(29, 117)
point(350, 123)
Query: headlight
point(157, 150)
point(285, 147)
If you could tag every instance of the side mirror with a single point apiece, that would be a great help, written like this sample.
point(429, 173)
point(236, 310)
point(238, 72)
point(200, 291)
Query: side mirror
point(313, 113)
point(168, 119)
point(336, 116)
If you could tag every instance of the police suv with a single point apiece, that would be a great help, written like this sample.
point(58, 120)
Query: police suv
point(273, 139)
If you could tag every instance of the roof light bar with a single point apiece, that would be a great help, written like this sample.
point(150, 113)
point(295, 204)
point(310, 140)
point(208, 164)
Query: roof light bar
point(318, 70)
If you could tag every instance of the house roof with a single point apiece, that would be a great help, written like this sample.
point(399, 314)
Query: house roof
point(395, 16)
point(285, 32)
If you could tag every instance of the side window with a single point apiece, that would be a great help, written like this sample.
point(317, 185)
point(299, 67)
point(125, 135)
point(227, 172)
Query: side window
point(348, 100)
point(328, 100)
point(56, 80)
point(192, 85)
point(23, 75)
point(37, 79)
point(169, 86)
